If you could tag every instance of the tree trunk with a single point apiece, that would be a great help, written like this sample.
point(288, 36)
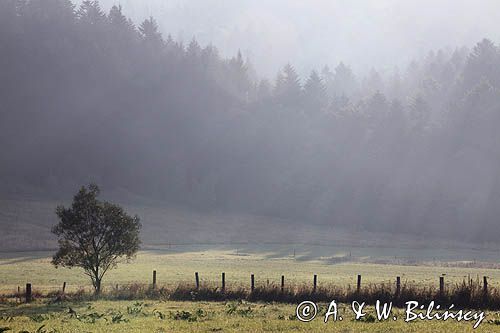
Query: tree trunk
point(97, 287)
point(97, 279)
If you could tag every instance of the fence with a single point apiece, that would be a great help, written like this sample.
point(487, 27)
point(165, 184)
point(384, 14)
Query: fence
point(469, 294)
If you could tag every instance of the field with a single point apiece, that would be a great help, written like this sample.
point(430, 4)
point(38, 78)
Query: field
point(336, 257)
point(177, 264)
point(109, 317)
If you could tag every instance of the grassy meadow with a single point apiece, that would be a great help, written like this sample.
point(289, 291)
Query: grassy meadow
point(418, 262)
point(159, 317)
point(177, 265)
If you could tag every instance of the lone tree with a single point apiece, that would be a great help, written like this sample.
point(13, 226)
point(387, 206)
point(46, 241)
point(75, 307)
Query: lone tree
point(94, 235)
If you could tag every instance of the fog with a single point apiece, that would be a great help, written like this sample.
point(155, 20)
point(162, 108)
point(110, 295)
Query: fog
point(363, 116)
point(381, 34)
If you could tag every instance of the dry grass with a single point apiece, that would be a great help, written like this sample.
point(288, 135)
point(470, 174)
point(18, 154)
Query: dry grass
point(468, 294)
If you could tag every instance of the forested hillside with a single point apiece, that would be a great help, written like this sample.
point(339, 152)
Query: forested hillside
point(88, 96)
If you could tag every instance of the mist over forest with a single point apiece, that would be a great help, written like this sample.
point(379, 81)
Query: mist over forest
point(381, 34)
point(88, 95)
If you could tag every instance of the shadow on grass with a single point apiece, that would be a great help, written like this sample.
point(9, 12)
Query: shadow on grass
point(36, 308)
point(18, 261)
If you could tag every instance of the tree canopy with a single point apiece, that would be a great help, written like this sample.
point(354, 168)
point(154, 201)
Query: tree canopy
point(94, 235)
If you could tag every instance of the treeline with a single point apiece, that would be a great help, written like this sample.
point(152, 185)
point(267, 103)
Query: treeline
point(89, 96)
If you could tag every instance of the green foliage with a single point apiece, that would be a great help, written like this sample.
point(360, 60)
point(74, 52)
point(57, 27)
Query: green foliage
point(183, 315)
point(368, 318)
point(39, 318)
point(119, 318)
point(90, 318)
point(94, 235)
point(189, 316)
point(159, 314)
point(234, 308)
point(136, 309)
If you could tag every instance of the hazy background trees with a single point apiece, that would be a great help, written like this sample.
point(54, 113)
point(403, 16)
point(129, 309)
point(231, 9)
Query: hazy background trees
point(89, 96)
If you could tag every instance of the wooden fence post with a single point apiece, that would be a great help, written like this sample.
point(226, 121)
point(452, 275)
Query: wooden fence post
point(154, 279)
point(485, 286)
point(223, 281)
point(282, 283)
point(197, 278)
point(29, 297)
point(19, 294)
point(358, 287)
point(252, 282)
point(441, 285)
point(315, 282)
point(398, 285)
point(64, 288)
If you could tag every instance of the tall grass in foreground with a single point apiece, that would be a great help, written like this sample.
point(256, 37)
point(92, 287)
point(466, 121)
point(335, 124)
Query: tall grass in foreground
point(467, 294)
